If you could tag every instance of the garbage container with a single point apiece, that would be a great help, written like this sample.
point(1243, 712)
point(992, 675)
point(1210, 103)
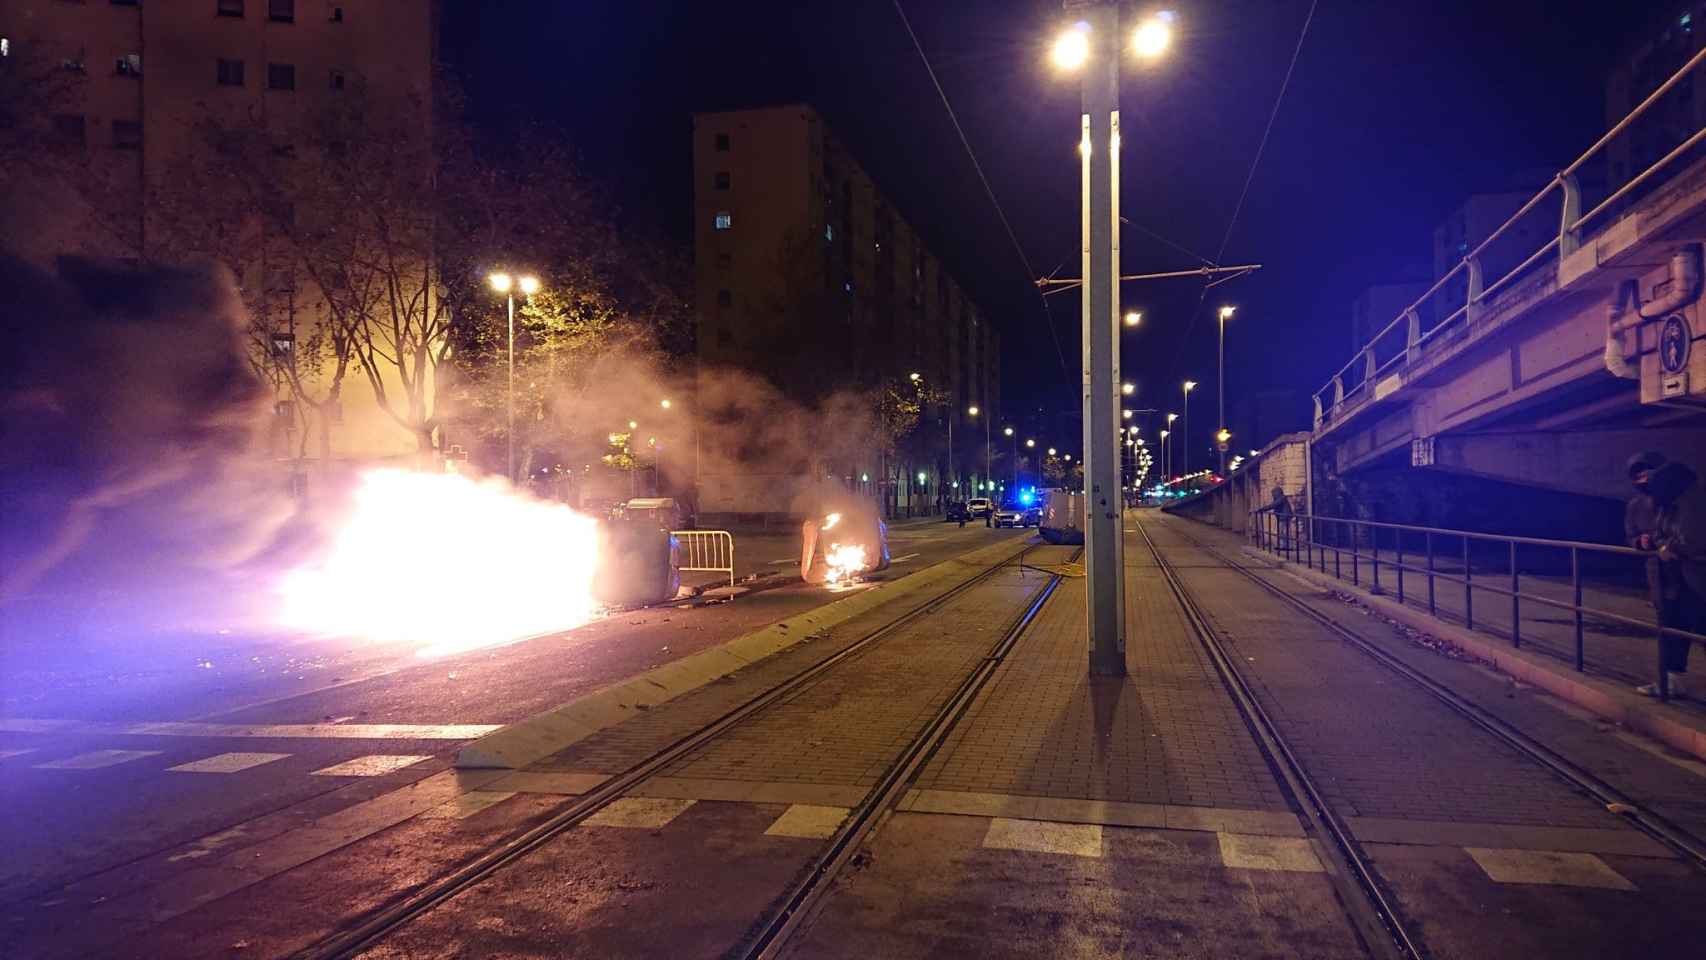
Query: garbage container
point(639, 563)
point(855, 545)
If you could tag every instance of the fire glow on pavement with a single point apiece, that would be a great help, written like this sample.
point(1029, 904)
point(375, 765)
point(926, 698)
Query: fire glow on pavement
point(447, 563)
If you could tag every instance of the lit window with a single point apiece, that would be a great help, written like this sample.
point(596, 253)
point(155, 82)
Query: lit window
point(129, 65)
point(725, 220)
point(829, 232)
point(722, 180)
point(722, 143)
point(5, 47)
point(281, 76)
point(725, 298)
point(127, 135)
point(283, 11)
point(230, 73)
point(229, 8)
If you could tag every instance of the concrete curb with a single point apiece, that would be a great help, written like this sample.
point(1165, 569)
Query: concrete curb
point(539, 736)
point(1602, 697)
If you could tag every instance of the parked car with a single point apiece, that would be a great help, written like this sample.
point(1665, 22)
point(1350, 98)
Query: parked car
point(980, 507)
point(956, 511)
point(1010, 516)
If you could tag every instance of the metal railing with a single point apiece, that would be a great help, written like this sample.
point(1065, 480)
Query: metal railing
point(1306, 539)
point(709, 551)
point(1571, 221)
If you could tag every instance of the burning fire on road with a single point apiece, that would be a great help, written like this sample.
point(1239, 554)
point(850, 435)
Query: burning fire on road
point(840, 549)
point(492, 566)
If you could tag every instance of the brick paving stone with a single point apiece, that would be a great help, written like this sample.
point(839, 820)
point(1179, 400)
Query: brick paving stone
point(1166, 733)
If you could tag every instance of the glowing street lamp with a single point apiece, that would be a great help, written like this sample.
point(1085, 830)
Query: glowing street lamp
point(1225, 315)
point(505, 284)
point(1030, 444)
point(1128, 388)
point(1072, 47)
point(1051, 451)
point(1185, 427)
point(1152, 36)
point(664, 403)
point(1133, 318)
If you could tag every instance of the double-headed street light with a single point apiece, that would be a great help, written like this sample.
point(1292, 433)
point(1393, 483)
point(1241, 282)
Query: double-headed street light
point(507, 285)
point(1093, 47)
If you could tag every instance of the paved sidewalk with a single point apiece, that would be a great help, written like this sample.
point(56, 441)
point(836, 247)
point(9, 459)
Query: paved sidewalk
point(1165, 734)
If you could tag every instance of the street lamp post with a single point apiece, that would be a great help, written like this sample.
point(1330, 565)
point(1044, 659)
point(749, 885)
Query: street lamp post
point(1225, 315)
point(1013, 452)
point(506, 285)
point(1185, 426)
point(1166, 454)
point(988, 458)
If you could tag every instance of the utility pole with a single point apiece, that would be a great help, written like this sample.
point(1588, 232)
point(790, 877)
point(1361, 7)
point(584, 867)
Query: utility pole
point(1099, 135)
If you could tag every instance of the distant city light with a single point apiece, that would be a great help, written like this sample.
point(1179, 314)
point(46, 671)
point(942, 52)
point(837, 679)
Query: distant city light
point(1152, 36)
point(501, 282)
point(1133, 318)
point(529, 285)
point(1128, 388)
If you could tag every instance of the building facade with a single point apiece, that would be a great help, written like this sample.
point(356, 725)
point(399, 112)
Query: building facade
point(808, 278)
point(125, 86)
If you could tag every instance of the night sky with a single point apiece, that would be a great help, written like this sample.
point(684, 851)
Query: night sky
point(1395, 113)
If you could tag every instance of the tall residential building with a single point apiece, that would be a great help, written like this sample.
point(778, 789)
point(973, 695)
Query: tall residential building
point(125, 84)
point(1661, 42)
point(808, 277)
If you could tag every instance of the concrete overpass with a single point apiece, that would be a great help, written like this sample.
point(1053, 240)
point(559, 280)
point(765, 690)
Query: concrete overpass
point(1509, 396)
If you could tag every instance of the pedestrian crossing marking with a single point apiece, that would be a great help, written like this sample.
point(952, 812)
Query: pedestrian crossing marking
point(639, 812)
point(1044, 836)
point(808, 821)
point(227, 763)
point(375, 765)
point(96, 760)
point(1243, 851)
point(1547, 867)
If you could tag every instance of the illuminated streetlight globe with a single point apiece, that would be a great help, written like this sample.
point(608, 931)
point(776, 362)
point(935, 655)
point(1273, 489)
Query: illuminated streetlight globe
point(501, 282)
point(1171, 417)
point(633, 425)
point(1190, 385)
point(1152, 36)
point(1226, 312)
point(1008, 431)
point(1126, 414)
point(1072, 47)
point(1030, 443)
point(1068, 458)
point(1128, 388)
point(1051, 451)
point(1133, 318)
point(921, 477)
point(914, 377)
point(529, 286)
point(972, 410)
point(664, 403)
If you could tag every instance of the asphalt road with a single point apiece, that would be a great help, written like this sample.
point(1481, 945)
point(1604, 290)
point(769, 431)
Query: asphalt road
point(113, 757)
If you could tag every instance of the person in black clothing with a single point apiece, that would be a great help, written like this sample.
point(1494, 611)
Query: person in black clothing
point(1680, 540)
point(1641, 518)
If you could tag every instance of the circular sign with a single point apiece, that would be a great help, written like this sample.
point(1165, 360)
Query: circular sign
point(1674, 340)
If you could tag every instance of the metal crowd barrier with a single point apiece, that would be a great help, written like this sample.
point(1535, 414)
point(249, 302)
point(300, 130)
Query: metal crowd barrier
point(710, 551)
point(1298, 538)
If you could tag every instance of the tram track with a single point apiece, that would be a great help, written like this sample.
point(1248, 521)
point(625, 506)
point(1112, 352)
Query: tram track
point(1371, 898)
point(772, 934)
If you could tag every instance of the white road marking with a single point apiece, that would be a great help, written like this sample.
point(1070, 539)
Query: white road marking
point(285, 731)
point(227, 763)
point(1245, 851)
point(1044, 836)
point(808, 821)
point(467, 804)
point(910, 556)
point(96, 760)
point(209, 845)
point(8, 754)
point(1548, 867)
point(375, 765)
point(647, 813)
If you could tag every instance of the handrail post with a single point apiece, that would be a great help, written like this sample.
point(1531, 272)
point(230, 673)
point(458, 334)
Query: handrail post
point(1318, 411)
point(1338, 548)
point(1369, 369)
point(1374, 543)
point(1398, 545)
point(1413, 342)
point(1338, 391)
point(1569, 236)
point(1516, 610)
point(1430, 549)
point(1472, 304)
point(1468, 591)
point(1576, 589)
point(1356, 557)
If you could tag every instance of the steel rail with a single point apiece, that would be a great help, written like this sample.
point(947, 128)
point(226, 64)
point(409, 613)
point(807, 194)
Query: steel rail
point(1659, 828)
point(807, 895)
point(381, 922)
point(1353, 877)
